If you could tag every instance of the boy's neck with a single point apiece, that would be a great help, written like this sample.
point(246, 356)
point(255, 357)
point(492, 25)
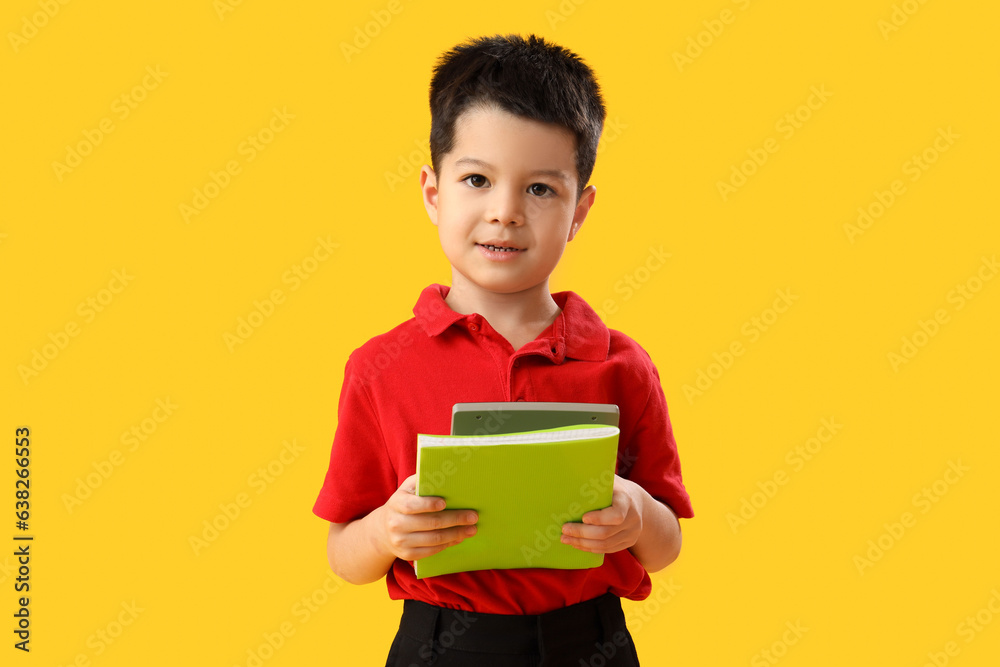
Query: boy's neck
point(518, 317)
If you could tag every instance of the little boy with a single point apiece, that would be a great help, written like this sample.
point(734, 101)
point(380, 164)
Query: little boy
point(514, 129)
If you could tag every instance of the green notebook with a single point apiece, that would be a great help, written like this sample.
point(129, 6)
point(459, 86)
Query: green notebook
point(524, 486)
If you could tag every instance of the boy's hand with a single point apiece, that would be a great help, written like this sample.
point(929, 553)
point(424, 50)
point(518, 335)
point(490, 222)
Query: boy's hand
point(612, 528)
point(414, 527)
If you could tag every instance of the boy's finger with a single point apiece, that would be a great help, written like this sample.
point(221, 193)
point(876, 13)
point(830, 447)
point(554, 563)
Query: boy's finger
point(409, 484)
point(609, 516)
point(592, 546)
point(425, 551)
point(421, 504)
point(441, 538)
point(448, 519)
point(588, 532)
point(461, 517)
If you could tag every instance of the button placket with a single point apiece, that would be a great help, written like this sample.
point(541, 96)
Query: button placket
point(512, 384)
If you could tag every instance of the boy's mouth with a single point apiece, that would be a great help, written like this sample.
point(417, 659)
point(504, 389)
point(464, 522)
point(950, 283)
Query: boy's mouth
point(499, 246)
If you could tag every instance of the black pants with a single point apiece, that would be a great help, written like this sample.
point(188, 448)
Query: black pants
point(588, 634)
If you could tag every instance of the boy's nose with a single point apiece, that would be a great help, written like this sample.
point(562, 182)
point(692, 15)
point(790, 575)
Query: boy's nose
point(506, 207)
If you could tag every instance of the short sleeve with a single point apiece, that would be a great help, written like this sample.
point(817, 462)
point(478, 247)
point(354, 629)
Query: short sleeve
point(361, 475)
point(653, 463)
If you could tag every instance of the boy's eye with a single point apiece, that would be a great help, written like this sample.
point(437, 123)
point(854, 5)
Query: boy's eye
point(476, 180)
point(540, 189)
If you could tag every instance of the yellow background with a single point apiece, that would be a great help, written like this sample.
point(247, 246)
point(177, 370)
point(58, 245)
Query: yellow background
point(675, 132)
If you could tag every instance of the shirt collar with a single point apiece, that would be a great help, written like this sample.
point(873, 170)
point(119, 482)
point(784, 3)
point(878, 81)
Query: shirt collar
point(583, 333)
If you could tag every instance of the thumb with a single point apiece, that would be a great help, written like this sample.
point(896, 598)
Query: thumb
point(409, 484)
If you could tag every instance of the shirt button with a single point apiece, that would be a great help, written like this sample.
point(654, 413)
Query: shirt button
point(520, 399)
point(474, 327)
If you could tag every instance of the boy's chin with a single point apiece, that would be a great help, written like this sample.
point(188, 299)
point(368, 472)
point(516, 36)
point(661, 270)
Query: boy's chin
point(501, 286)
point(497, 283)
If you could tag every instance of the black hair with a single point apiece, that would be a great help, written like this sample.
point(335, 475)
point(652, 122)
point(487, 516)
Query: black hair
point(527, 77)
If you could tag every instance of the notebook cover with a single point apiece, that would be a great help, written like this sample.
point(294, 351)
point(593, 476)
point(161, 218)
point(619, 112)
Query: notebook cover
point(523, 489)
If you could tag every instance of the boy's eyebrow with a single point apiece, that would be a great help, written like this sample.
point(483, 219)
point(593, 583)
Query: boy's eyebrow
point(473, 162)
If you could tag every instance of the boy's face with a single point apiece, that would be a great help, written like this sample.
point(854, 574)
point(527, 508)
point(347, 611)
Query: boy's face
point(509, 182)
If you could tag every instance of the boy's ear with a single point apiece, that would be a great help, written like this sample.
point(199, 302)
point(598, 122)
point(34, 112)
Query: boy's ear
point(582, 209)
point(428, 186)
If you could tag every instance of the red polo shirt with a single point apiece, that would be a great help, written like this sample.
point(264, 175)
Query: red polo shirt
point(405, 382)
